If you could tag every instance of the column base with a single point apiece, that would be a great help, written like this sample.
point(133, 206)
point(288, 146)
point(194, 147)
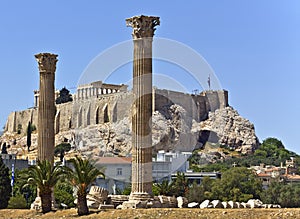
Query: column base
point(137, 196)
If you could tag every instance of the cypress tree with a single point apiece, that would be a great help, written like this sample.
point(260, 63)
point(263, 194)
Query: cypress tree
point(5, 187)
point(29, 136)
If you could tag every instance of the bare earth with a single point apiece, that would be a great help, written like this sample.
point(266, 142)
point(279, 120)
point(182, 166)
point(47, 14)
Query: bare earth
point(165, 213)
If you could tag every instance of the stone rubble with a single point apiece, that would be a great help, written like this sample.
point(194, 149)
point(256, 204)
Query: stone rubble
point(252, 203)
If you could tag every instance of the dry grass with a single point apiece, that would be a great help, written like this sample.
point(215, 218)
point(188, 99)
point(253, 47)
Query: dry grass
point(166, 213)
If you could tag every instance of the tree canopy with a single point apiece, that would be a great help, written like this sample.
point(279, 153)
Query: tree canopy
point(83, 175)
point(5, 186)
point(45, 175)
point(64, 96)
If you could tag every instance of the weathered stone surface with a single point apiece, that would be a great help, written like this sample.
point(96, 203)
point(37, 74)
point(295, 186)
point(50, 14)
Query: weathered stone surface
point(182, 202)
point(231, 129)
point(117, 199)
point(232, 204)
point(97, 196)
point(205, 204)
point(193, 205)
point(225, 205)
point(173, 124)
point(103, 206)
point(37, 204)
point(217, 204)
point(46, 109)
point(255, 203)
point(244, 205)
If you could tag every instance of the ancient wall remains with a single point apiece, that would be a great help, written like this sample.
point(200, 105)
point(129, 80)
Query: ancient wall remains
point(115, 106)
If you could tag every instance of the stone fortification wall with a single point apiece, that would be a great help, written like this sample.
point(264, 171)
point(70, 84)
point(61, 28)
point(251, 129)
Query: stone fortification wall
point(196, 106)
point(114, 107)
point(18, 120)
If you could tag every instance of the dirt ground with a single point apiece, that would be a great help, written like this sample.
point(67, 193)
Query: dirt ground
point(166, 213)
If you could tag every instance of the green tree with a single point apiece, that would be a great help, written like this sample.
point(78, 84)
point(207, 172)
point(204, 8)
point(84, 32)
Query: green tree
point(236, 184)
point(45, 175)
point(163, 188)
point(127, 190)
point(63, 193)
point(29, 136)
point(60, 150)
point(271, 194)
point(5, 187)
point(180, 185)
point(17, 202)
point(287, 195)
point(28, 192)
point(83, 175)
point(199, 193)
point(4, 149)
point(64, 96)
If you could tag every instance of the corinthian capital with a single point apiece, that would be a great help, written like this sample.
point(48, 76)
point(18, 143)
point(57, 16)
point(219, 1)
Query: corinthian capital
point(143, 26)
point(47, 62)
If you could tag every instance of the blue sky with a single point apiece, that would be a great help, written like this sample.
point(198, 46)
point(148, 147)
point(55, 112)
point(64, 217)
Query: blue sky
point(253, 47)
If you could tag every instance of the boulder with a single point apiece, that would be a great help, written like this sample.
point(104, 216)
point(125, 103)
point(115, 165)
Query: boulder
point(164, 201)
point(182, 202)
point(225, 205)
point(172, 202)
point(216, 204)
point(244, 205)
point(193, 205)
point(117, 200)
point(205, 204)
point(232, 204)
point(255, 203)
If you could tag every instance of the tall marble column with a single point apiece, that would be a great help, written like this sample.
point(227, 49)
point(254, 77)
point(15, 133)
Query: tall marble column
point(46, 107)
point(143, 32)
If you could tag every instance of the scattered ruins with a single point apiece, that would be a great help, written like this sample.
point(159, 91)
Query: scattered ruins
point(97, 104)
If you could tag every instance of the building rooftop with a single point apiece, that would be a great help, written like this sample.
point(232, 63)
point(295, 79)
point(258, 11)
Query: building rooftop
point(114, 160)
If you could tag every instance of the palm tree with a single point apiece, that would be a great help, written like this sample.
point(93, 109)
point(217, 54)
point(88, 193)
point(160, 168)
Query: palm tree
point(164, 188)
point(45, 175)
point(83, 175)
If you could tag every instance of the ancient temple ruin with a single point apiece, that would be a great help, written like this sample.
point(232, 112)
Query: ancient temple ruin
point(46, 109)
point(143, 32)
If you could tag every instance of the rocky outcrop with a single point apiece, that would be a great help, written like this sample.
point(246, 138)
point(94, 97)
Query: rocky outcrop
point(227, 127)
point(173, 130)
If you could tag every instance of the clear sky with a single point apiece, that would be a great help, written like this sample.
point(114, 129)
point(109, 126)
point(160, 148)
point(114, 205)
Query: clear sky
point(253, 47)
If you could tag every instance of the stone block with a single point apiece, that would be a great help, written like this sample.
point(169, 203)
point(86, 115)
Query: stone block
point(182, 202)
point(232, 204)
point(103, 206)
point(193, 205)
point(225, 205)
point(217, 204)
point(205, 204)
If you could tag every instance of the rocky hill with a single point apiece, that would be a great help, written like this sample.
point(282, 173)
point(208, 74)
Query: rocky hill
point(173, 130)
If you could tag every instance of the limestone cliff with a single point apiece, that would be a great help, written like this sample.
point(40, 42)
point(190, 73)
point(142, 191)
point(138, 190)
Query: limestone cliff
point(226, 127)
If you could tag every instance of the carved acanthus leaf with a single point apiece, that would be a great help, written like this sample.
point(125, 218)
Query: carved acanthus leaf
point(47, 62)
point(143, 26)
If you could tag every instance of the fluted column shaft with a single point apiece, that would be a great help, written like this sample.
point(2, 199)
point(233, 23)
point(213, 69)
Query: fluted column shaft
point(143, 31)
point(141, 118)
point(46, 107)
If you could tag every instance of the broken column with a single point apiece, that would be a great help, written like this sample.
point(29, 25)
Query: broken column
point(143, 32)
point(46, 106)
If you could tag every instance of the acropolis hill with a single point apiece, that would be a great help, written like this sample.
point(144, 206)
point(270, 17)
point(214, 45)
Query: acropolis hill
point(98, 121)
